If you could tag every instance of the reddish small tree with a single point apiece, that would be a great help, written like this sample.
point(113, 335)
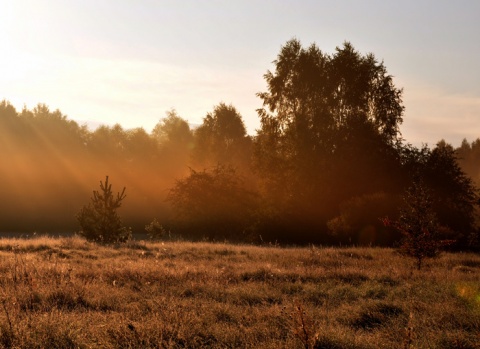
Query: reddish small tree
point(418, 225)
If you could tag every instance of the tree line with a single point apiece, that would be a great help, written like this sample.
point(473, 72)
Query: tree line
point(327, 163)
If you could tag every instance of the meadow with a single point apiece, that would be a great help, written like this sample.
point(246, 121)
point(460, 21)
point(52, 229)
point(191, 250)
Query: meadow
point(69, 293)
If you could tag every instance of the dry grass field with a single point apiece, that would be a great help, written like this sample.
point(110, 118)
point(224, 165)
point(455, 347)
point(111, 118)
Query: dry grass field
point(68, 293)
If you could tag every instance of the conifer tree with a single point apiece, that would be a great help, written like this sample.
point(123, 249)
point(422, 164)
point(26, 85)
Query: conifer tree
point(99, 219)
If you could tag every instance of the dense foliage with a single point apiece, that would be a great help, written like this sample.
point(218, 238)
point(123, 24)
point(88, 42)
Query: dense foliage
point(214, 203)
point(327, 161)
point(329, 133)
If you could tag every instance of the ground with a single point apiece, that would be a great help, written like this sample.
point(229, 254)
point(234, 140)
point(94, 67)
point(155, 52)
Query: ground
point(69, 293)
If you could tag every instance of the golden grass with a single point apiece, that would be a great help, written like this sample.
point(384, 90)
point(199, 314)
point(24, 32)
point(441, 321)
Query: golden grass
point(68, 293)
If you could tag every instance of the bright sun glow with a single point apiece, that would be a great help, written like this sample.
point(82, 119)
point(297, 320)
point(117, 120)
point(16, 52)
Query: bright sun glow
point(110, 61)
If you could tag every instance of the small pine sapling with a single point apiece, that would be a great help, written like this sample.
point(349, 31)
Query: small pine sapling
point(99, 220)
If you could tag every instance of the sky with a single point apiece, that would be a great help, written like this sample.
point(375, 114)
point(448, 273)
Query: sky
point(131, 61)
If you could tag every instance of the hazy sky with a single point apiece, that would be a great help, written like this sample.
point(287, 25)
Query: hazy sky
point(128, 62)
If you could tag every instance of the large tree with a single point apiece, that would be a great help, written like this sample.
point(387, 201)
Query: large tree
point(469, 159)
point(222, 139)
point(329, 130)
point(173, 131)
point(175, 140)
point(455, 197)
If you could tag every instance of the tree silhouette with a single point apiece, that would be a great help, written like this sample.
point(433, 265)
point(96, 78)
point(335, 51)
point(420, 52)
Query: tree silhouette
point(455, 197)
point(140, 147)
point(222, 139)
point(418, 225)
point(172, 130)
point(175, 142)
point(469, 159)
point(213, 203)
point(329, 131)
point(99, 220)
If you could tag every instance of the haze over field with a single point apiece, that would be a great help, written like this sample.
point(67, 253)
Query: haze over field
point(128, 62)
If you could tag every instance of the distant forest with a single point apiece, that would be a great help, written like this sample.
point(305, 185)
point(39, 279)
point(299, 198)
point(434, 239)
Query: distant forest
point(327, 163)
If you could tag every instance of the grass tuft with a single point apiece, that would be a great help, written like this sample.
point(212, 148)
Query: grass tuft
point(374, 316)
